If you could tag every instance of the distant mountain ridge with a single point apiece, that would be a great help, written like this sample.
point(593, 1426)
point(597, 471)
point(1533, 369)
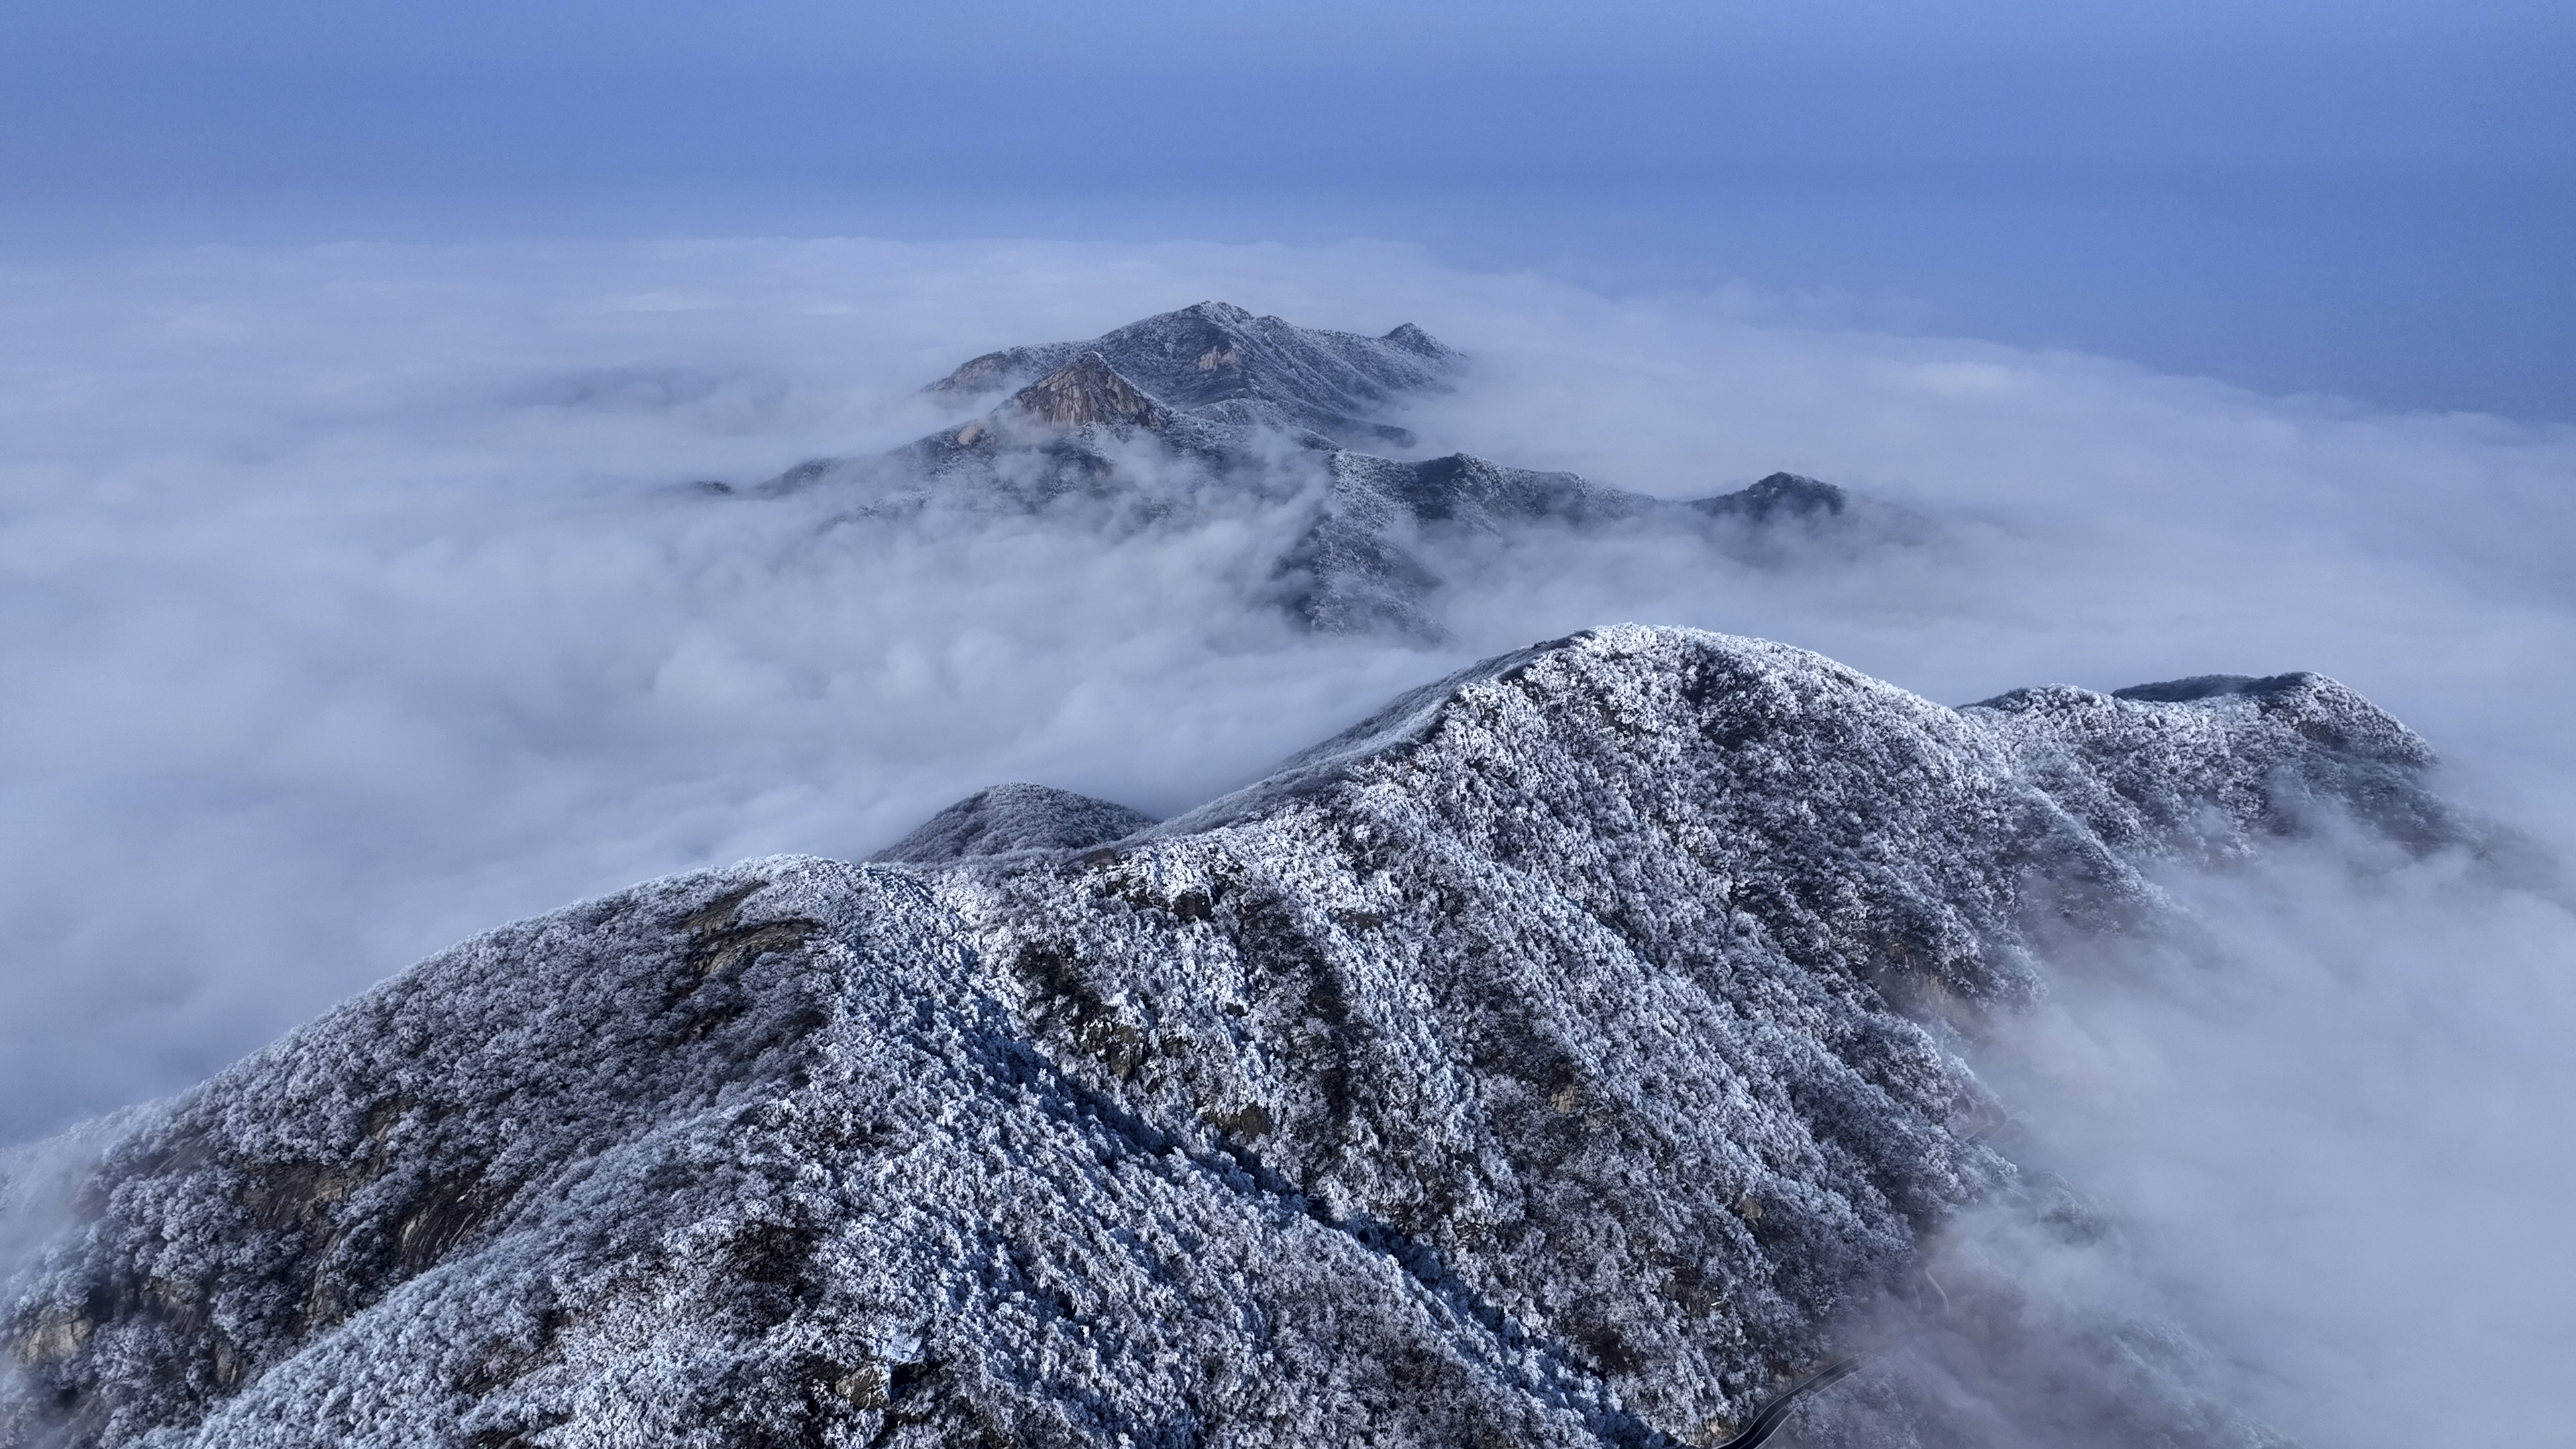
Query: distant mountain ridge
point(1560, 1056)
point(1221, 361)
point(1255, 411)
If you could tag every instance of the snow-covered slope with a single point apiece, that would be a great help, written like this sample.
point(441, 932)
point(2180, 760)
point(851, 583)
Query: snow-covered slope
point(1560, 1056)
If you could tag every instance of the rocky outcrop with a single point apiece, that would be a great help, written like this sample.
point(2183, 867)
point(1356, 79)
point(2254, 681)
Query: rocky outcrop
point(1086, 392)
point(1780, 495)
point(1561, 1056)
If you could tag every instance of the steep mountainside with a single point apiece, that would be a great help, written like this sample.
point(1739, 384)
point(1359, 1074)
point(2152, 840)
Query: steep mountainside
point(1210, 412)
point(1561, 1056)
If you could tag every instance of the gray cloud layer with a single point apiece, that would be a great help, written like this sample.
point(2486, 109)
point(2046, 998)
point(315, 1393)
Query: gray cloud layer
point(359, 598)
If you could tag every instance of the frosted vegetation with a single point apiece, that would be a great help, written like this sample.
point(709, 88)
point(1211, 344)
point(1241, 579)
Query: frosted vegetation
point(1565, 1055)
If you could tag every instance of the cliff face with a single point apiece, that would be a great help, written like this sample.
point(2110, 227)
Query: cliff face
point(1559, 1057)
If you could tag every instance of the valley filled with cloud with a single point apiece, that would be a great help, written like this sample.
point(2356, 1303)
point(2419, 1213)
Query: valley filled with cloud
point(367, 596)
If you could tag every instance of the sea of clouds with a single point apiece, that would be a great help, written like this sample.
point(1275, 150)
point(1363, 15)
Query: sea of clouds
point(359, 598)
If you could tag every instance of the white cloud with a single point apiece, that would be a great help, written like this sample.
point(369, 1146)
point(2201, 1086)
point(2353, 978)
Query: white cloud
point(2335, 1139)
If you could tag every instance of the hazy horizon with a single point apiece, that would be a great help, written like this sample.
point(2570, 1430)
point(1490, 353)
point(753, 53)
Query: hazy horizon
point(2368, 202)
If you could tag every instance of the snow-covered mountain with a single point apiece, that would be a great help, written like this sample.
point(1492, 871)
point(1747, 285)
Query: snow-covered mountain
point(1210, 412)
point(1564, 1055)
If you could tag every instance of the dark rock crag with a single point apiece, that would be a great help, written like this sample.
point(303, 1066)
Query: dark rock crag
point(1559, 1057)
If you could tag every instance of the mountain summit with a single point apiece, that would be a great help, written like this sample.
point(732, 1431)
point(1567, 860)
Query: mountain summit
point(1563, 1055)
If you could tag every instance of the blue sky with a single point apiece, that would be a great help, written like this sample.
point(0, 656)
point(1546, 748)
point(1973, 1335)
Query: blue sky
point(2369, 198)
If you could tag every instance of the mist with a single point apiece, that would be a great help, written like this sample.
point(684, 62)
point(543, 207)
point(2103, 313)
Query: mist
point(365, 597)
point(2331, 1136)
